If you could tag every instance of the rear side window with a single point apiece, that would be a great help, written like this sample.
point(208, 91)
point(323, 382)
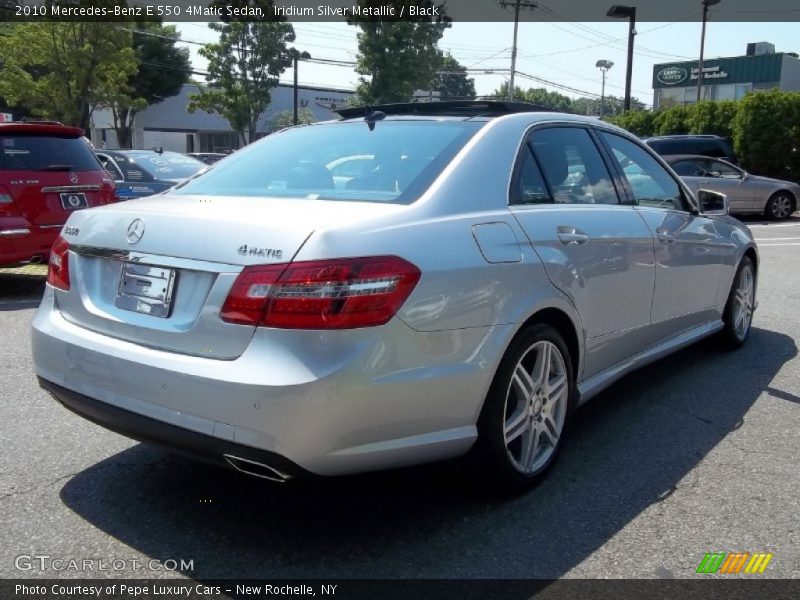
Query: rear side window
point(43, 153)
point(528, 185)
point(572, 166)
point(393, 162)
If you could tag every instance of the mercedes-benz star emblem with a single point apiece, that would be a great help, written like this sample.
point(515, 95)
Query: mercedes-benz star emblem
point(73, 178)
point(135, 231)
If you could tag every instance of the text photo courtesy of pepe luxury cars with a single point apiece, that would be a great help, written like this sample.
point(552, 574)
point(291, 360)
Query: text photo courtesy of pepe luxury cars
point(319, 298)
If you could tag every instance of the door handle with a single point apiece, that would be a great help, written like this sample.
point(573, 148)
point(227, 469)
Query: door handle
point(664, 236)
point(570, 236)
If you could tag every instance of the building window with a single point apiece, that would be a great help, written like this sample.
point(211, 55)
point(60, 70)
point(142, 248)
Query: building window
point(670, 97)
point(219, 141)
point(726, 92)
point(742, 89)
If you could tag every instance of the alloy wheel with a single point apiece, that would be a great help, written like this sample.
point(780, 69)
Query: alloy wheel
point(535, 407)
point(781, 206)
point(744, 298)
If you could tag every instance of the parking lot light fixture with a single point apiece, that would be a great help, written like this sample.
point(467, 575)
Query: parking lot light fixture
point(604, 65)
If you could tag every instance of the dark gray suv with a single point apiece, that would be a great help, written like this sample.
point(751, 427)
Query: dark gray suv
point(705, 145)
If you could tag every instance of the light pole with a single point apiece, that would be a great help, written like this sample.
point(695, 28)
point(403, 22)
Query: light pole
point(604, 65)
point(618, 11)
point(706, 4)
point(296, 56)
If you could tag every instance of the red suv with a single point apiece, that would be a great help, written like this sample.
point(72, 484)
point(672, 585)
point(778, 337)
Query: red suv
point(47, 170)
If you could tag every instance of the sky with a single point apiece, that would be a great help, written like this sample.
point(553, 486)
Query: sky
point(564, 53)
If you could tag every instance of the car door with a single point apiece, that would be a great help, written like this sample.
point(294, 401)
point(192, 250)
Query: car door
point(689, 250)
point(597, 251)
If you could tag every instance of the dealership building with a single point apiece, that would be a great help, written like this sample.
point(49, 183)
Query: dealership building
point(726, 78)
point(169, 125)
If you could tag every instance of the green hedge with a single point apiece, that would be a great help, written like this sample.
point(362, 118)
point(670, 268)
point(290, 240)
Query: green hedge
point(764, 127)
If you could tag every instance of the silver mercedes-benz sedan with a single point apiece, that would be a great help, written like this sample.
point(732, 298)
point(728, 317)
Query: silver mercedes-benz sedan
point(747, 193)
point(475, 273)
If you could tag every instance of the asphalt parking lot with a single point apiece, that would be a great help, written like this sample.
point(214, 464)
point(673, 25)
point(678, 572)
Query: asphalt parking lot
point(694, 454)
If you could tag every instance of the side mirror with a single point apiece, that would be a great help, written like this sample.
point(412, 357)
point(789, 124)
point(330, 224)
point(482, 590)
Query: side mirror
point(712, 203)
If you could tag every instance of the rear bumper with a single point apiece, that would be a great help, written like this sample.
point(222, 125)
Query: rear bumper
point(329, 403)
point(20, 247)
point(177, 439)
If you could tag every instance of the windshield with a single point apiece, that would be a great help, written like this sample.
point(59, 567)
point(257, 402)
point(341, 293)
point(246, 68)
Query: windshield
point(395, 162)
point(45, 153)
point(169, 166)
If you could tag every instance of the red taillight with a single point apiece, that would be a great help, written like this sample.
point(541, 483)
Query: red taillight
point(58, 268)
point(326, 294)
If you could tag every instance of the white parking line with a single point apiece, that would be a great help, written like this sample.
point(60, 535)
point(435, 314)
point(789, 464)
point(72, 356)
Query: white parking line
point(780, 244)
point(776, 239)
point(771, 225)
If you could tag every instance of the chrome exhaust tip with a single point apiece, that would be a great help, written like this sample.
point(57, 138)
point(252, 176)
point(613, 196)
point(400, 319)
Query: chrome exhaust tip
point(34, 260)
point(256, 469)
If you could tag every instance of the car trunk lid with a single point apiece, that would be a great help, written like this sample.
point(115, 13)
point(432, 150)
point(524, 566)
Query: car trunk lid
point(157, 271)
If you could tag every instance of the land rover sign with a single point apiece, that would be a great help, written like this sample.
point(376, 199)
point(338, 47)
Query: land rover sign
point(672, 75)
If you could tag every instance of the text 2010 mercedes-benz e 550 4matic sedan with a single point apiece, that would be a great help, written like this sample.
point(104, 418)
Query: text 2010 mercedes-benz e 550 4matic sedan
point(407, 284)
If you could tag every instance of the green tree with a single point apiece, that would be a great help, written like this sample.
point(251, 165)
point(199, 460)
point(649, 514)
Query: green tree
point(672, 121)
point(540, 96)
point(395, 58)
point(712, 117)
point(163, 69)
point(766, 130)
point(452, 82)
point(285, 118)
point(242, 69)
point(64, 70)
point(638, 122)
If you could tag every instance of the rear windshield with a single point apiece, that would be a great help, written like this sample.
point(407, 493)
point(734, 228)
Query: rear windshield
point(44, 153)
point(394, 162)
point(171, 166)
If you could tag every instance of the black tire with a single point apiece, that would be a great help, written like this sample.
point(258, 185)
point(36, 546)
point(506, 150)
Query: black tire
point(732, 337)
point(780, 206)
point(491, 452)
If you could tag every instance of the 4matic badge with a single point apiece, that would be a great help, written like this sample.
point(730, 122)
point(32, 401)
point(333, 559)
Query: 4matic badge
point(245, 250)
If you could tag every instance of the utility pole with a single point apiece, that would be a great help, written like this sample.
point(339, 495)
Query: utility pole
point(294, 121)
point(618, 11)
point(518, 5)
point(706, 4)
point(296, 57)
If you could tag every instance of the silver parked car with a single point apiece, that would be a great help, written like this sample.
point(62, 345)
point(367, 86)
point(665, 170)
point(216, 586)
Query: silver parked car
point(747, 193)
point(490, 270)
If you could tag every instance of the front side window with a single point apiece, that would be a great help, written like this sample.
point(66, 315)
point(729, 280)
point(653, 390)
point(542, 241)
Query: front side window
point(393, 162)
point(690, 168)
point(650, 183)
point(717, 168)
point(572, 167)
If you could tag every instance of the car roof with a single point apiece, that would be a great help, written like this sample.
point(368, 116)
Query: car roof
point(687, 136)
point(464, 109)
point(672, 158)
point(134, 152)
point(51, 129)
